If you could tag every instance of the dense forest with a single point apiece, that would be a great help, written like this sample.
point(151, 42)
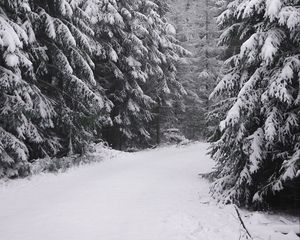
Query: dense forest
point(74, 72)
point(128, 72)
point(197, 31)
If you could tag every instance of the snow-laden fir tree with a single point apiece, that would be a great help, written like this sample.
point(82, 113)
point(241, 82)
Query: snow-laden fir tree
point(66, 71)
point(164, 52)
point(26, 115)
point(71, 68)
point(258, 152)
point(120, 68)
point(211, 72)
point(139, 57)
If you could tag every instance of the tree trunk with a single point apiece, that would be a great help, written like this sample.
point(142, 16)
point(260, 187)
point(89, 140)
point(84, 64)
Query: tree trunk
point(158, 121)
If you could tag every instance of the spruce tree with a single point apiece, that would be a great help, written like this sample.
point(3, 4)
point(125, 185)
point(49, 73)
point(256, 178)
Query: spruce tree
point(211, 71)
point(164, 54)
point(258, 152)
point(66, 73)
point(26, 115)
point(119, 70)
point(139, 63)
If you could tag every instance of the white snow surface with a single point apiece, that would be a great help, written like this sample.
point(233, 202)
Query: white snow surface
point(149, 195)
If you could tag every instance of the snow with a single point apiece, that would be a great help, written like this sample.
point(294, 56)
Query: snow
point(251, 6)
point(256, 150)
point(132, 62)
point(113, 55)
point(11, 60)
point(290, 167)
point(170, 29)
point(233, 115)
point(273, 8)
point(149, 195)
point(50, 27)
point(290, 16)
point(133, 107)
point(64, 33)
point(249, 47)
point(8, 37)
point(271, 45)
point(270, 125)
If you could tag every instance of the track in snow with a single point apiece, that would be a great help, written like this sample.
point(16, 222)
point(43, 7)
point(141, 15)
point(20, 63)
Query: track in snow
point(150, 195)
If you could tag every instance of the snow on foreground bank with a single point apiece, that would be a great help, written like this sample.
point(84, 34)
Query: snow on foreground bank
point(149, 195)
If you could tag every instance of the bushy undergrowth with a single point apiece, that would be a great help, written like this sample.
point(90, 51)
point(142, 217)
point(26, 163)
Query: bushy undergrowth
point(96, 153)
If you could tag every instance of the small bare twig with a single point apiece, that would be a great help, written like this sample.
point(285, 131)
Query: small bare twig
point(242, 222)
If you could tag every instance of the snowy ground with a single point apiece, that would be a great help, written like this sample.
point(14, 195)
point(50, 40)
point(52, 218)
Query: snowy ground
point(150, 195)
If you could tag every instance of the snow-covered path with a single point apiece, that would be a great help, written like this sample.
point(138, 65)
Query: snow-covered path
point(150, 195)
